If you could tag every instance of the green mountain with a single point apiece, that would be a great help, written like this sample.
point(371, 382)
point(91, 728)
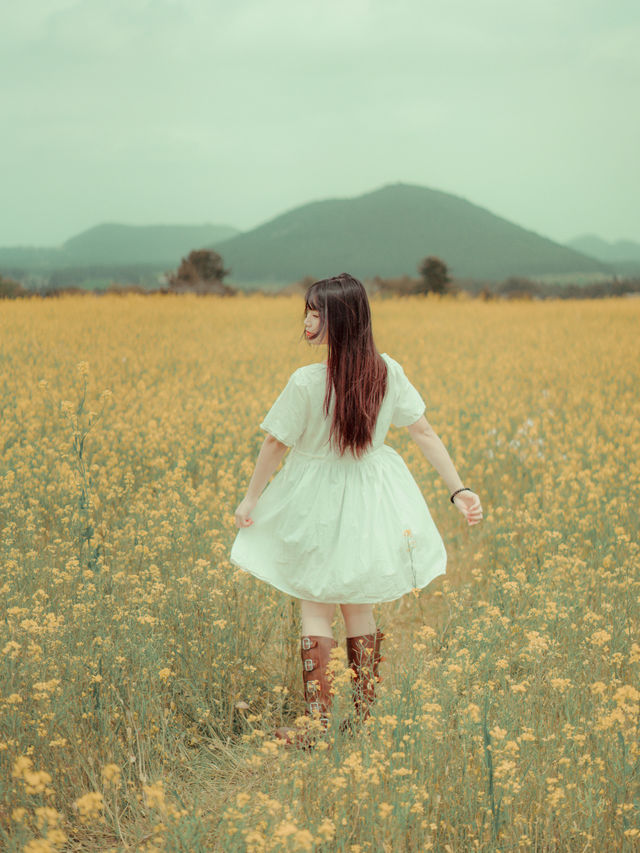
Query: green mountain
point(117, 245)
point(387, 233)
point(142, 244)
point(30, 258)
point(622, 255)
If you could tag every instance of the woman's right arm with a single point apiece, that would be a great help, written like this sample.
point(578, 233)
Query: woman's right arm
point(270, 456)
point(436, 453)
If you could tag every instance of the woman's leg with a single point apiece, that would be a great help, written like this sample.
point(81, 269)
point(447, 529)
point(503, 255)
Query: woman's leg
point(363, 651)
point(316, 646)
point(358, 619)
point(316, 618)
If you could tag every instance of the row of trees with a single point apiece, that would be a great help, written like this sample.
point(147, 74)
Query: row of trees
point(203, 271)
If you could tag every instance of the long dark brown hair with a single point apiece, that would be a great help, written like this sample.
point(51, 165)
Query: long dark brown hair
point(356, 373)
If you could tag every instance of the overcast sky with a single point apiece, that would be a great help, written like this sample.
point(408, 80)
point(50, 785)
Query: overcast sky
point(154, 111)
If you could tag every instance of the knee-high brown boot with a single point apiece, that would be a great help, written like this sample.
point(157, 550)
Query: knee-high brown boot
point(364, 658)
point(315, 652)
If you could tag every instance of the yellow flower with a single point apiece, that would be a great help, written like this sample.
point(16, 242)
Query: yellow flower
point(21, 765)
point(46, 816)
point(497, 733)
point(11, 648)
point(154, 795)
point(473, 712)
point(384, 810)
point(625, 694)
point(504, 769)
point(303, 840)
point(89, 806)
point(56, 836)
point(537, 642)
point(284, 829)
point(600, 637)
point(560, 683)
point(327, 829)
point(35, 781)
point(39, 845)
point(111, 775)
point(255, 841)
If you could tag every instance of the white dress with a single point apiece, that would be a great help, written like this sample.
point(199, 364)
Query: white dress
point(334, 528)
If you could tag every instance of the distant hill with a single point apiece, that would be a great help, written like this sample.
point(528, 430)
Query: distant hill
point(387, 232)
point(142, 244)
point(623, 255)
point(118, 245)
point(30, 258)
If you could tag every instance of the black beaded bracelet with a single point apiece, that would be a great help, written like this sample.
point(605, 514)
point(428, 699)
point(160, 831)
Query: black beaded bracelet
point(465, 489)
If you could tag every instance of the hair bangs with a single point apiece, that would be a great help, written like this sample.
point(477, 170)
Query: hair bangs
point(311, 299)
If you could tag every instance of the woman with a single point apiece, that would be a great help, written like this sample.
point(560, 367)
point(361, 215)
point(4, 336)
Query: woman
point(343, 521)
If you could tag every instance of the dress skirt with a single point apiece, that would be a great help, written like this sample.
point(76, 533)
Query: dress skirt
point(342, 530)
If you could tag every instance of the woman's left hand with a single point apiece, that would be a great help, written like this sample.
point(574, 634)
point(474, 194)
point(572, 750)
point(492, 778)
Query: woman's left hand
point(469, 505)
point(243, 513)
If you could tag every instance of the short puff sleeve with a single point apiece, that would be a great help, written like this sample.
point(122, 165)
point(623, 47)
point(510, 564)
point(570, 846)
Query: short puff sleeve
point(409, 405)
point(287, 418)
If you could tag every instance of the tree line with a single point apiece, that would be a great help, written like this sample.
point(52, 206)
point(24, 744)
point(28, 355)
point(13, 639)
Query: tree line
point(203, 271)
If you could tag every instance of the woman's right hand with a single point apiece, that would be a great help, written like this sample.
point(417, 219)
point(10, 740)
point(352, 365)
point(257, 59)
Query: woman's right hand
point(469, 505)
point(243, 513)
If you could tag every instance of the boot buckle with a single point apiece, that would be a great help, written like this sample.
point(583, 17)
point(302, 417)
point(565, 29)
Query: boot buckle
point(314, 706)
point(309, 664)
point(307, 644)
point(311, 686)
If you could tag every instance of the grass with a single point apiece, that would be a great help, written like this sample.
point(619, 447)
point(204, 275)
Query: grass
point(142, 676)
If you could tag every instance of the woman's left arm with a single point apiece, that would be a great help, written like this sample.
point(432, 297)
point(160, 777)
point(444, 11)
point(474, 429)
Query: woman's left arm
point(436, 453)
point(270, 456)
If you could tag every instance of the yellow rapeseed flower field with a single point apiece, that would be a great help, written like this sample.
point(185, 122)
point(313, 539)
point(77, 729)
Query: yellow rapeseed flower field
point(142, 676)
